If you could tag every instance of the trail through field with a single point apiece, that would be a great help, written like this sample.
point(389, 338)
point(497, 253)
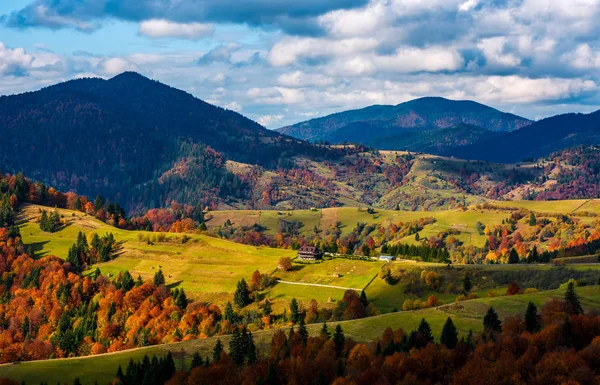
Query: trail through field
point(318, 285)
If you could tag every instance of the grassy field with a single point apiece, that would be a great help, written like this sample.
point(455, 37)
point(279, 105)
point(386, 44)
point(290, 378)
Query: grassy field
point(387, 298)
point(461, 220)
point(467, 316)
point(352, 274)
point(207, 268)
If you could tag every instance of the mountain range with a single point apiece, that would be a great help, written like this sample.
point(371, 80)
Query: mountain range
point(463, 129)
point(145, 144)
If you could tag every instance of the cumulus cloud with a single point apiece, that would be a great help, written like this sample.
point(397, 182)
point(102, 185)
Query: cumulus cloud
point(115, 66)
point(160, 28)
point(583, 57)
point(289, 51)
point(301, 79)
point(269, 120)
point(496, 52)
point(14, 61)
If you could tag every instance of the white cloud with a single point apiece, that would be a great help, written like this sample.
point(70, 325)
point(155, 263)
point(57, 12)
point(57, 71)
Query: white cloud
point(234, 106)
point(268, 120)
point(582, 57)
point(14, 61)
point(468, 5)
point(116, 65)
point(410, 59)
point(516, 89)
point(496, 54)
point(290, 50)
point(301, 79)
point(159, 28)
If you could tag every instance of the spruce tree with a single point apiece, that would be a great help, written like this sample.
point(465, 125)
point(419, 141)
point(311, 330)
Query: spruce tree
point(303, 331)
point(229, 314)
point(363, 298)
point(573, 299)
point(236, 348)
point(533, 255)
point(491, 321)
point(181, 300)
point(532, 320)
point(513, 257)
point(250, 350)
point(339, 340)
point(241, 297)
point(325, 331)
point(532, 219)
point(449, 335)
point(467, 285)
point(218, 349)
point(425, 330)
point(267, 308)
point(159, 278)
point(197, 361)
point(294, 311)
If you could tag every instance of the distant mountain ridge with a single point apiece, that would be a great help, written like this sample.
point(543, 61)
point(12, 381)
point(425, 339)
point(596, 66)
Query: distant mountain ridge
point(375, 125)
point(537, 140)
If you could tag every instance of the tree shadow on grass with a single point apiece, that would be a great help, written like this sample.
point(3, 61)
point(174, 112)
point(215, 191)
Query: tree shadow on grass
point(35, 248)
point(173, 285)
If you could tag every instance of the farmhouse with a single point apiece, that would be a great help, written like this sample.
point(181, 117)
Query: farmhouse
point(387, 258)
point(309, 253)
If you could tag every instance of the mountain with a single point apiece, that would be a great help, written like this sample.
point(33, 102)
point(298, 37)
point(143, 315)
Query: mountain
point(394, 127)
point(135, 140)
point(537, 140)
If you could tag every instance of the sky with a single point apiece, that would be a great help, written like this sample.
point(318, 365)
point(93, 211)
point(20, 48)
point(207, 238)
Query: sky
point(280, 61)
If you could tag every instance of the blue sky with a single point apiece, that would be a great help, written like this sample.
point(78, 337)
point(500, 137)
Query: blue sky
point(280, 62)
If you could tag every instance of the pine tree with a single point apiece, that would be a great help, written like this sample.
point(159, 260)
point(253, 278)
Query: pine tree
point(573, 299)
point(303, 331)
point(513, 257)
point(181, 300)
point(267, 308)
point(533, 255)
point(449, 335)
point(339, 340)
point(218, 349)
point(242, 295)
point(250, 350)
point(532, 219)
point(159, 278)
point(294, 311)
point(325, 331)
point(532, 320)
point(229, 314)
point(491, 321)
point(425, 330)
point(363, 298)
point(467, 285)
point(197, 361)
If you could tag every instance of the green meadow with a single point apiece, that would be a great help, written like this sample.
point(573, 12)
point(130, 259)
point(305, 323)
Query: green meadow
point(207, 268)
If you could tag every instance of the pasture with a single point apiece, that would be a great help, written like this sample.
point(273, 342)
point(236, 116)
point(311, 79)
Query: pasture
point(207, 268)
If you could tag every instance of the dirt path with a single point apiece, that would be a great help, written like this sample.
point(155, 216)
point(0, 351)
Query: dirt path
point(318, 285)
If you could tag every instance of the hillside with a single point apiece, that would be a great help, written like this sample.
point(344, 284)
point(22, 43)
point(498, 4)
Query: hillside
point(374, 125)
point(136, 141)
point(467, 316)
point(538, 139)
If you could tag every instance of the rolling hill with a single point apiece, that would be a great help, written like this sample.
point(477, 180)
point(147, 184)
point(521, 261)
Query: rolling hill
point(395, 127)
